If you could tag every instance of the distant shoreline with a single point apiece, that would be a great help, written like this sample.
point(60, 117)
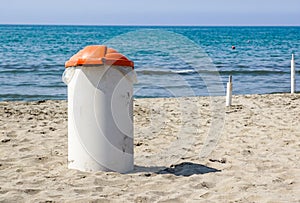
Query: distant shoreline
point(287, 94)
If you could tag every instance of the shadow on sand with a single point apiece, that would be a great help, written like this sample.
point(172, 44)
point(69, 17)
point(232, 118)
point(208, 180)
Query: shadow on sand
point(182, 169)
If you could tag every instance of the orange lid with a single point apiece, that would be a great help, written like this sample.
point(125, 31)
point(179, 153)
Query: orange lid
point(98, 55)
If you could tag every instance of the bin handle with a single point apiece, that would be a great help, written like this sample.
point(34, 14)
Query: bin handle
point(68, 75)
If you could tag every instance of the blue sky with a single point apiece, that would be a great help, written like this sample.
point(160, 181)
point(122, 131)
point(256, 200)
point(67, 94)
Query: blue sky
point(154, 12)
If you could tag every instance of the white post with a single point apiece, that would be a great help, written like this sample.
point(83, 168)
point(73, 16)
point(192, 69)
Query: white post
point(293, 80)
point(229, 92)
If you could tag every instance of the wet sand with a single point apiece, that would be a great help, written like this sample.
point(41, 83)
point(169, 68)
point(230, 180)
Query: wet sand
point(184, 152)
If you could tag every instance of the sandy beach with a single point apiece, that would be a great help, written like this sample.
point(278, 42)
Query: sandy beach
point(255, 153)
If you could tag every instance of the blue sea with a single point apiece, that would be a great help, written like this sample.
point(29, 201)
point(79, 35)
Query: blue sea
point(169, 61)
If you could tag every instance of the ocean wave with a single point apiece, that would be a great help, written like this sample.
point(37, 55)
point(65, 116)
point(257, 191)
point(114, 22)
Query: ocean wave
point(165, 72)
point(28, 97)
point(211, 72)
point(31, 69)
point(252, 72)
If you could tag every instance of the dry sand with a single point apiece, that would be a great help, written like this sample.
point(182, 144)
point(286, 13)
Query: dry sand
point(254, 158)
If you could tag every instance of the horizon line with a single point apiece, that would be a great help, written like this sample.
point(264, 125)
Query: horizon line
point(160, 25)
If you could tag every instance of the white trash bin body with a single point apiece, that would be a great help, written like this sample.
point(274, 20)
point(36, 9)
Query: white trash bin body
point(100, 110)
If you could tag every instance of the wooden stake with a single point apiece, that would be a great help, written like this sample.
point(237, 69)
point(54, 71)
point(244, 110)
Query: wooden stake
point(229, 92)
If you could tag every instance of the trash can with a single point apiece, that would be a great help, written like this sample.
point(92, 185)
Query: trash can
point(100, 110)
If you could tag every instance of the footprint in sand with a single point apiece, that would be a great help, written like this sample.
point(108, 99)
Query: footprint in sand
point(24, 150)
point(11, 134)
point(32, 191)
